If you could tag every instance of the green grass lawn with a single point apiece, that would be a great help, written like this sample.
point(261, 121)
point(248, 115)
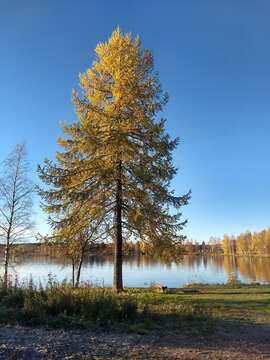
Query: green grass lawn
point(221, 301)
point(211, 305)
point(141, 310)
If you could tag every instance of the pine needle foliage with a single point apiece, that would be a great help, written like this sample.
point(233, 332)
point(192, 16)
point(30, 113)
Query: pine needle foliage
point(116, 165)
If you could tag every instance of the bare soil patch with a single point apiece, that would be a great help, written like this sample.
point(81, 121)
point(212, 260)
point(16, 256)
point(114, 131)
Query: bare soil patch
point(244, 342)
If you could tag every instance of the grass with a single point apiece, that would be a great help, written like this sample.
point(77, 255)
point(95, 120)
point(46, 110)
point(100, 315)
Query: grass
point(64, 306)
point(140, 310)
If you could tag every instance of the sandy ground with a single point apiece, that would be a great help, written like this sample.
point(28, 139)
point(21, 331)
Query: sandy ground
point(242, 343)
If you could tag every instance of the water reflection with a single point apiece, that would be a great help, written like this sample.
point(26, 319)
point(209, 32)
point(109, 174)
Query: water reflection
point(143, 270)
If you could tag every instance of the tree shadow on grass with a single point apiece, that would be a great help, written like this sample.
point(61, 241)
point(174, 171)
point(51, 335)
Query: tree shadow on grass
point(232, 303)
point(209, 333)
point(223, 292)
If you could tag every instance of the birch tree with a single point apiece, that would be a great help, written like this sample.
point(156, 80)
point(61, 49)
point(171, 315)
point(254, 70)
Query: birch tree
point(15, 202)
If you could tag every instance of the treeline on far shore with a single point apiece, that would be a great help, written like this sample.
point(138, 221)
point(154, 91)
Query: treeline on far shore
point(245, 244)
point(106, 249)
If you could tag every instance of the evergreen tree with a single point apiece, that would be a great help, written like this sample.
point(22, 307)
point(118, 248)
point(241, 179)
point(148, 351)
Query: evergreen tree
point(116, 163)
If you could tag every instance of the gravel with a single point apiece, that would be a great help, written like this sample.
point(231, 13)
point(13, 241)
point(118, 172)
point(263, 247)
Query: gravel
point(241, 343)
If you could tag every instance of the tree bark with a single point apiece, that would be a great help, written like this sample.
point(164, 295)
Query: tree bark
point(10, 221)
point(73, 272)
point(6, 263)
point(79, 271)
point(118, 241)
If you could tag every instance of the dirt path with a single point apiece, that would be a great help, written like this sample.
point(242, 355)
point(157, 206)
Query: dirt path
point(243, 343)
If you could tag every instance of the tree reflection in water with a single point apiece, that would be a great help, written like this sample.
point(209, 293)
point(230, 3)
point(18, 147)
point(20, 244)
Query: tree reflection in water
point(140, 270)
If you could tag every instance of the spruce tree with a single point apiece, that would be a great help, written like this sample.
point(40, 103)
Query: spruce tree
point(116, 164)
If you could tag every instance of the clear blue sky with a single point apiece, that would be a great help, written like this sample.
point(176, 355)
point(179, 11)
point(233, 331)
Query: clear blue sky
point(214, 60)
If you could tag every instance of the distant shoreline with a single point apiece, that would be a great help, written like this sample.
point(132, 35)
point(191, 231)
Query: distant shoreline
point(106, 249)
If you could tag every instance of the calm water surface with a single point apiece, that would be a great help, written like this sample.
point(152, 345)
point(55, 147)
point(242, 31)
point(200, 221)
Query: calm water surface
point(142, 271)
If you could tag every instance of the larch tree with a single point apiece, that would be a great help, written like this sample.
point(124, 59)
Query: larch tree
point(116, 163)
point(16, 192)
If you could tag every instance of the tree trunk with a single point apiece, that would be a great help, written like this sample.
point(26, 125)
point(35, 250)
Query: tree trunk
point(79, 271)
point(118, 241)
point(6, 263)
point(73, 272)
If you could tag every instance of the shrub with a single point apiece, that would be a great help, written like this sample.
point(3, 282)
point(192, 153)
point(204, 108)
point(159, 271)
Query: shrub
point(61, 305)
point(12, 299)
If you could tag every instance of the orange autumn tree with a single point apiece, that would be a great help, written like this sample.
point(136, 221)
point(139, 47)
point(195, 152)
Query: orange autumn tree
point(116, 164)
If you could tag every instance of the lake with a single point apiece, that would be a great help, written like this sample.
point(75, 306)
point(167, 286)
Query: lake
point(142, 271)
